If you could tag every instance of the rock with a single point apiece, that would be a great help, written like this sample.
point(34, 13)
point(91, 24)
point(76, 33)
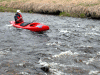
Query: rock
point(45, 69)
point(88, 14)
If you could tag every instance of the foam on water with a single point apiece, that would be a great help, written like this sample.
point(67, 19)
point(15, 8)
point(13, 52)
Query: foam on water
point(20, 64)
point(94, 72)
point(87, 46)
point(86, 34)
point(67, 53)
point(54, 43)
point(96, 29)
point(57, 72)
point(98, 53)
point(43, 63)
point(4, 51)
point(64, 31)
point(24, 73)
point(89, 61)
point(76, 42)
point(9, 25)
point(53, 67)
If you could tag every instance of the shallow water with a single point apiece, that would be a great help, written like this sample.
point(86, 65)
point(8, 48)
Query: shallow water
point(70, 47)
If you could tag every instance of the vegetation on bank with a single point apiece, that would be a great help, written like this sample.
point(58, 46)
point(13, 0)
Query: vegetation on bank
point(12, 0)
point(87, 4)
point(8, 9)
point(70, 8)
point(82, 15)
point(5, 9)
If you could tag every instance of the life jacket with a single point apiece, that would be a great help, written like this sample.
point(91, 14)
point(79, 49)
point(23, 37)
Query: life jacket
point(17, 16)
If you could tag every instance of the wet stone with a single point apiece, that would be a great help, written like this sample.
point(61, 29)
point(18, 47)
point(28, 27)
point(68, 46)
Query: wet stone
point(45, 69)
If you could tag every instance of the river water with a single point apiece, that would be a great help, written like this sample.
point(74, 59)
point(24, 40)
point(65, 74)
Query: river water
point(70, 47)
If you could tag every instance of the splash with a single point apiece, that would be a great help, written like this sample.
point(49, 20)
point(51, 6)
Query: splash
point(86, 34)
point(24, 73)
point(94, 72)
point(43, 63)
point(89, 61)
point(54, 43)
point(67, 53)
point(64, 31)
point(53, 67)
point(98, 53)
point(9, 25)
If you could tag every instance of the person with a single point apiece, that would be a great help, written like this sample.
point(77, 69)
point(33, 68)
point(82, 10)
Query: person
point(18, 17)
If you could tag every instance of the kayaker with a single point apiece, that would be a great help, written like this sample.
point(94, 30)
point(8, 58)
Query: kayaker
point(18, 17)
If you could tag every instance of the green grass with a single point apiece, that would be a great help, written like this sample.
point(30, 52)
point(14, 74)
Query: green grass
point(68, 0)
point(92, 4)
point(82, 15)
point(54, 1)
point(87, 5)
point(6, 0)
point(24, 0)
point(3, 9)
point(12, 0)
point(65, 14)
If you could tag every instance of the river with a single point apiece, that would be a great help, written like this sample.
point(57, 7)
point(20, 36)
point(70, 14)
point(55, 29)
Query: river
point(70, 47)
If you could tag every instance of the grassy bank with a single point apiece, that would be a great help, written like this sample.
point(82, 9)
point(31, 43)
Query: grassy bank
point(5, 9)
point(71, 8)
point(81, 15)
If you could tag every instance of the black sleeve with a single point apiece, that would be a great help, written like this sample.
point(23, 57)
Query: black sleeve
point(15, 17)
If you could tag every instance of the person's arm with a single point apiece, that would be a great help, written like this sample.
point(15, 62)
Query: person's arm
point(19, 18)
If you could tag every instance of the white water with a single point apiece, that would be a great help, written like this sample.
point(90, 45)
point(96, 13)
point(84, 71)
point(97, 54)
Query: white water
point(70, 47)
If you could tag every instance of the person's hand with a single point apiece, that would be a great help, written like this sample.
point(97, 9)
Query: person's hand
point(19, 18)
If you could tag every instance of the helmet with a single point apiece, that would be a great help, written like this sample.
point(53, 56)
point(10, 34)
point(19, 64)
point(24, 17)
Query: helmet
point(18, 11)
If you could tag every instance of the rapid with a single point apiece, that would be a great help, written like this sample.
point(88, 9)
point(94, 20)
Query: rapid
point(70, 47)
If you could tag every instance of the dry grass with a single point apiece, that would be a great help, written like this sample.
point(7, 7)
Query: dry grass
point(70, 6)
point(65, 2)
point(62, 2)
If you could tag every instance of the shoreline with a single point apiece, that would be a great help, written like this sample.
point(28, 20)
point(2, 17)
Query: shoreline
point(81, 11)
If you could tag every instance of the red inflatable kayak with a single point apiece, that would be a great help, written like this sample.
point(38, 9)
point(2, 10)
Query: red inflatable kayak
point(36, 27)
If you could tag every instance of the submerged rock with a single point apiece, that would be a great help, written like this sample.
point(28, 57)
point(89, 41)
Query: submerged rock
point(45, 69)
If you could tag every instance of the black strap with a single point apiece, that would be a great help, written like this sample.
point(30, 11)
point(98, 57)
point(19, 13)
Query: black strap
point(24, 24)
